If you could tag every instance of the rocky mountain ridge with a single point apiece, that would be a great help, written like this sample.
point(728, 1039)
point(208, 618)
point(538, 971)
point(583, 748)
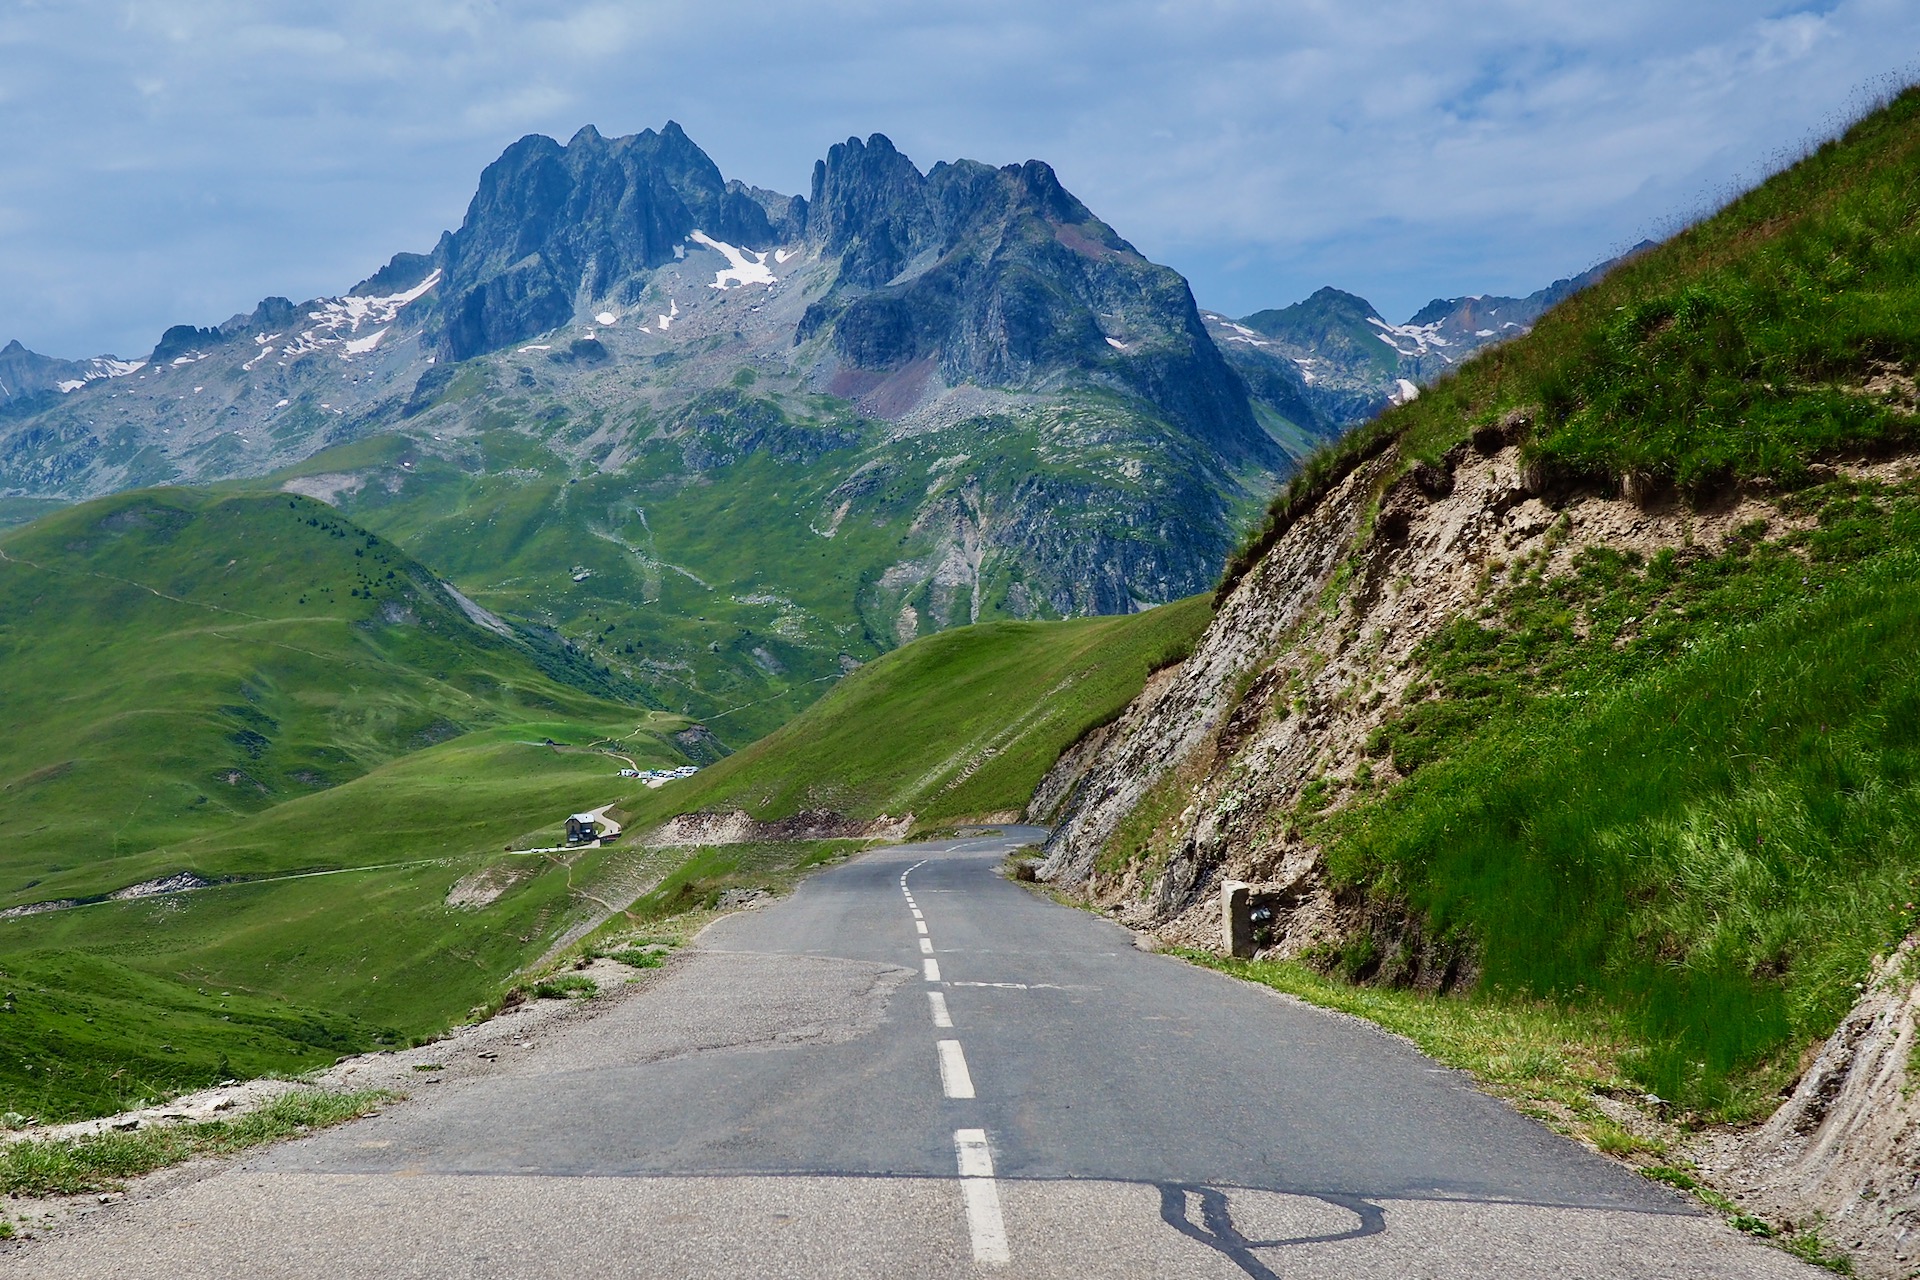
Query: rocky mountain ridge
point(1356, 364)
point(628, 399)
point(679, 393)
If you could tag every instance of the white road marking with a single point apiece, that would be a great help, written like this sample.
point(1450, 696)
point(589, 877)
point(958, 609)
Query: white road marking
point(953, 1070)
point(926, 946)
point(919, 926)
point(984, 1223)
point(941, 1018)
point(932, 969)
point(916, 913)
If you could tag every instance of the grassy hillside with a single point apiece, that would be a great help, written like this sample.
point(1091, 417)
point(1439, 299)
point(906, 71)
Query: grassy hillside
point(124, 1000)
point(173, 661)
point(1741, 349)
point(255, 692)
point(955, 725)
point(737, 555)
point(1682, 789)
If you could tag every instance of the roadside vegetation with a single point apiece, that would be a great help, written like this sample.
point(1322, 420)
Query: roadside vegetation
point(1566, 1065)
point(74, 1166)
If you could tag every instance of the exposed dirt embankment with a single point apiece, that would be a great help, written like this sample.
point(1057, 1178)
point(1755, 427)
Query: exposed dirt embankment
point(741, 827)
point(1846, 1144)
point(1312, 652)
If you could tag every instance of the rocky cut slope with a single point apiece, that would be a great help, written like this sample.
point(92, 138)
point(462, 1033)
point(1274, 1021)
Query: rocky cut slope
point(1588, 678)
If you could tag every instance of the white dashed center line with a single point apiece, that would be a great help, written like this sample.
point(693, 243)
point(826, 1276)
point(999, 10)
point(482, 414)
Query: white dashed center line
point(953, 1070)
point(984, 1222)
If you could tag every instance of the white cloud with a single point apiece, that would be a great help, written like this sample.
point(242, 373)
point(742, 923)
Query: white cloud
point(184, 157)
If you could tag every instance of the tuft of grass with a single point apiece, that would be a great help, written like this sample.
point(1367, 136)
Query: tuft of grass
point(44, 1167)
point(1811, 1245)
point(566, 986)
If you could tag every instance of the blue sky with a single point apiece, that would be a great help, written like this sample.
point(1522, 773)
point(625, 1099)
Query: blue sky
point(166, 162)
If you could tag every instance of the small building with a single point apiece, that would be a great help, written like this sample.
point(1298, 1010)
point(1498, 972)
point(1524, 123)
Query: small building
point(582, 828)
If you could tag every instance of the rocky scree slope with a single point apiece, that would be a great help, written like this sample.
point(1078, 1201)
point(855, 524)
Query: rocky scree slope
point(1587, 677)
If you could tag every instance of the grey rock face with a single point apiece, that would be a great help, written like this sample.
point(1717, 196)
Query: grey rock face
point(1001, 277)
point(551, 224)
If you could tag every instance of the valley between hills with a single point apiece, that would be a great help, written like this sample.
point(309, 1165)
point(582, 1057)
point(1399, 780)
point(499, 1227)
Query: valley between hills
point(1541, 669)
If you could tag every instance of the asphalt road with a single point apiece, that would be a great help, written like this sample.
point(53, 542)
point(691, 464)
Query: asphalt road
point(913, 1067)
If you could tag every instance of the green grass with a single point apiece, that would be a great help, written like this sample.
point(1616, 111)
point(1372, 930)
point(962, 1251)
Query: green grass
point(955, 725)
point(252, 690)
point(566, 986)
point(708, 871)
point(124, 1001)
point(1714, 849)
point(174, 662)
point(65, 1167)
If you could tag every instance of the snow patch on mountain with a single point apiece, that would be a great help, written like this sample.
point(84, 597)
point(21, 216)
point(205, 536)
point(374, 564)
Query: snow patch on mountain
point(338, 322)
point(744, 266)
point(1424, 337)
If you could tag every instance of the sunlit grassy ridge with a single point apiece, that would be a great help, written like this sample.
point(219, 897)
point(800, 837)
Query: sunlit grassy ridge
point(955, 725)
point(170, 661)
point(1738, 349)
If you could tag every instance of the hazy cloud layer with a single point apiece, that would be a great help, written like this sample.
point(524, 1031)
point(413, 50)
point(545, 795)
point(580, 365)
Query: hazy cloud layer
point(173, 161)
